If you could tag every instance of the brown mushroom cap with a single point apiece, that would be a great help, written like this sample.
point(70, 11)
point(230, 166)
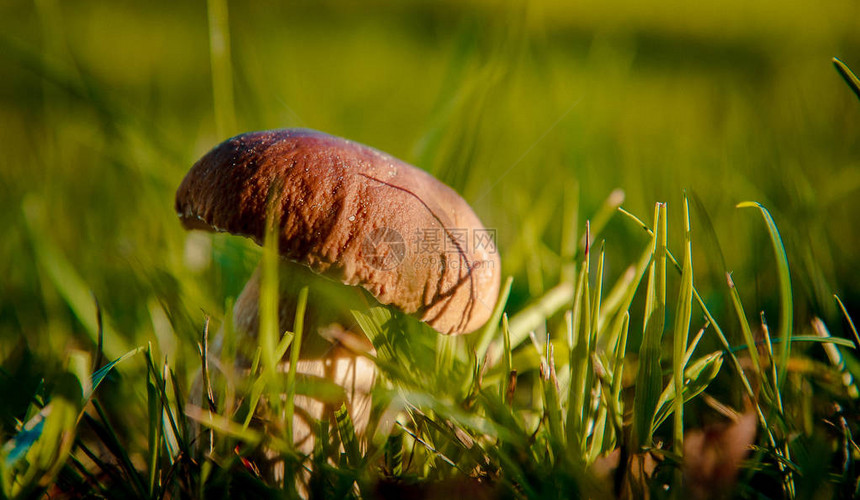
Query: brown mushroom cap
point(353, 214)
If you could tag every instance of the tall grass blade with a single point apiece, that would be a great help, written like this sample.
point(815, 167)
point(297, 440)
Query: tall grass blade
point(683, 313)
point(597, 422)
point(394, 452)
point(695, 343)
point(171, 432)
point(552, 404)
point(181, 417)
point(506, 391)
point(649, 378)
point(616, 402)
point(745, 329)
point(301, 304)
point(488, 332)
point(785, 296)
point(222, 67)
point(850, 321)
point(773, 375)
point(208, 395)
point(580, 364)
point(446, 354)
point(103, 372)
point(374, 323)
point(223, 425)
point(348, 439)
point(154, 420)
point(269, 321)
point(847, 75)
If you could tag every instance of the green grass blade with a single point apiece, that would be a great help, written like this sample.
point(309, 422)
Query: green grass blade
point(394, 452)
point(256, 393)
point(579, 363)
point(446, 355)
point(850, 321)
point(284, 345)
point(103, 372)
point(848, 75)
point(745, 328)
point(154, 420)
point(488, 332)
point(223, 425)
point(683, 313)
point(618, 373)
point(268, 314)
point(348, 439)
point(786, 316)
point(803, 338)
point(773, 375)
point(181, 417)
point(374, 323)
point(599, 435)
point(222, 67)
point(295, 348)
point(504, 386)
point(698, 376)
point(552, 403)
point(695, 343)
point(598, 298)
point(649, 379)
point(171, 432)
point(785, 295)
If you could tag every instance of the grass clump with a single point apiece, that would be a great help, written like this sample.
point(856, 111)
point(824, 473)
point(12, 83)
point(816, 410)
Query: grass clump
point(561, 400)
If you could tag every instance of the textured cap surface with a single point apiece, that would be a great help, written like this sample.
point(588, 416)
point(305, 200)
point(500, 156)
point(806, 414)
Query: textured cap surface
point(353, 214)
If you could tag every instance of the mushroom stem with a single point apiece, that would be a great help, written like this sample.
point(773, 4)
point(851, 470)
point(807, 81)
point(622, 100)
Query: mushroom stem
point(331, 350)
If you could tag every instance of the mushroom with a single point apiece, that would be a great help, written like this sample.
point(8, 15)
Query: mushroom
point(370, 223)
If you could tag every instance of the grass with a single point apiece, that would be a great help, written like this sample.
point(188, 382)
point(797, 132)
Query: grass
point(541, 418)
point(627, 348)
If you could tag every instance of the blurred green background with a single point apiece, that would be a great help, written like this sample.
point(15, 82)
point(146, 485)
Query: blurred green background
point(524, 107)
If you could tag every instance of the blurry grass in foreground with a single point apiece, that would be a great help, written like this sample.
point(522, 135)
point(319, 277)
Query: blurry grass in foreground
point(513, 411)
